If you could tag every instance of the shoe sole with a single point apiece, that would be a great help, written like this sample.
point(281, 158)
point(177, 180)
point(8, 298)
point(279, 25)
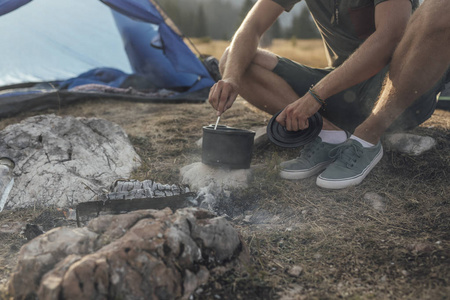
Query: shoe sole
point(294, 175)
point(336, 184)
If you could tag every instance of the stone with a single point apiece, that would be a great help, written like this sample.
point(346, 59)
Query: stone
point(377, 201)
point(420, 248)
point(42, 253)
point(62, 161)
point(31, 231)
point(410, 144)
point(261, 138)
point(295, 271)
point(145, 254)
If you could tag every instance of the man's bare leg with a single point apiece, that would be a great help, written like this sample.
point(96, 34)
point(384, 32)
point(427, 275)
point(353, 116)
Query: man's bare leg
point(420, 60)
point(265, 89)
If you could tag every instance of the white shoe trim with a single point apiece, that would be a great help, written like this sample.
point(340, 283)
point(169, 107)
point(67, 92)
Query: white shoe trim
point(302, 174)
point(346, 182)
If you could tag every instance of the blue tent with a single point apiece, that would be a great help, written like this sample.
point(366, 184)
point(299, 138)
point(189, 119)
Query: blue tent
point(73, 49)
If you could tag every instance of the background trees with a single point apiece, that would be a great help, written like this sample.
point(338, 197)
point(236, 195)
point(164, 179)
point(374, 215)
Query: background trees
point(219, 19)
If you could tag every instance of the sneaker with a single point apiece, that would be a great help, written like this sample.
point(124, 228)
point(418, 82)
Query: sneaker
point(313, 159)
point(353, 163)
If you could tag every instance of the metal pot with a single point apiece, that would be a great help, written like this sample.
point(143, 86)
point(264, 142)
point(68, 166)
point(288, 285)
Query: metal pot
point(227, 147)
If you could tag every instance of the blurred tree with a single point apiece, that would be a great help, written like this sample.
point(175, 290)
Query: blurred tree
point(172, 9)
point(248, 4)
point(303, 26)
point(276, 30)
point(200, 28)
point(219, 17)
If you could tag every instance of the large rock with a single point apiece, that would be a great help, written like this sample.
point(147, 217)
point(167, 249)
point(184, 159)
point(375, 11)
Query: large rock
point(147, 254)
point(65, 160)
point(410, 144)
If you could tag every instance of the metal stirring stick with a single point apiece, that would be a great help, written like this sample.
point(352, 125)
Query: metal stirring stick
point(217, 122)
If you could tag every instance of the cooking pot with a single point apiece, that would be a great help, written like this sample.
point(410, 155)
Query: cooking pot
point(227, 147)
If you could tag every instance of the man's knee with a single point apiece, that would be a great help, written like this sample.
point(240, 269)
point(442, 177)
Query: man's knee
point(263, 58)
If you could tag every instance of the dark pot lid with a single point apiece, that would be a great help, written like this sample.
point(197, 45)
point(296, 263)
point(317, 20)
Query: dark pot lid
point(280, 136)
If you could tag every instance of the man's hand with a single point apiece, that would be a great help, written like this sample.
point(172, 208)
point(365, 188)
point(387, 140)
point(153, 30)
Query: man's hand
point(295, 116)
point(223, 94)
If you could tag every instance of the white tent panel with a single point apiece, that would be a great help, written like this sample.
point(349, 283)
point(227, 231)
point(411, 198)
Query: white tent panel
point(58, 39)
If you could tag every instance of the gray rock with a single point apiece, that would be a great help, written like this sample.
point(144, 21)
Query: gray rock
point(199, 142)
point(295, 271)
point(64, 161)
point(409, 143)
point(147, 254)
point(377, 201)
point(261, 138)
point(43, 252)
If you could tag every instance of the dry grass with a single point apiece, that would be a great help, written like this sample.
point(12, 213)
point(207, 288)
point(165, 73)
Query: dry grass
point(346, 247)
point(309, 52)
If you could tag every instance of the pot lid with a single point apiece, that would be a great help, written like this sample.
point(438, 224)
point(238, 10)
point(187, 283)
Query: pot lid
point(280, 136)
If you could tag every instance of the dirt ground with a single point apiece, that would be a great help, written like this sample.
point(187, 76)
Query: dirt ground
point(342, 244)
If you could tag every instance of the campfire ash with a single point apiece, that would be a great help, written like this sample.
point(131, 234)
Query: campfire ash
point(213, 183)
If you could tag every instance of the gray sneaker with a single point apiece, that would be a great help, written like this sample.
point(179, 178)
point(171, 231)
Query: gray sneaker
point(353, 163)
point(312, 160)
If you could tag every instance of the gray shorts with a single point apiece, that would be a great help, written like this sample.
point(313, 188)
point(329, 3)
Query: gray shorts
point(351, 107)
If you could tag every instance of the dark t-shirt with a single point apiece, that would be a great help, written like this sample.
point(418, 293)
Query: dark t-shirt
point(344, 25)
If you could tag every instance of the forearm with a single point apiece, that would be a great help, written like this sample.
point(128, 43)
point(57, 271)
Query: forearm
point(391, 18)
point(241, 52)
point(245, 42)
point(369, 59)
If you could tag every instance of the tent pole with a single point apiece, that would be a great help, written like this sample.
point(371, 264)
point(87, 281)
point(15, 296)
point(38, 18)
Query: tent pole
point(172, 23)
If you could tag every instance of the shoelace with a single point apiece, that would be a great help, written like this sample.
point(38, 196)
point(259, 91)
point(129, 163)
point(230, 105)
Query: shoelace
point(309, 149)
point(346, 153)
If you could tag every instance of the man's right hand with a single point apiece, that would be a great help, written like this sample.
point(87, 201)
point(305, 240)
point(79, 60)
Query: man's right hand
point(223, 94)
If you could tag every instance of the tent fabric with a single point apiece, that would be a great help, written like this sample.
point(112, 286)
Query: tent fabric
point(7, 6)
point(55, 46)
point(137, 38)
point(106, 76)
point(49, 40)
point(175, 49)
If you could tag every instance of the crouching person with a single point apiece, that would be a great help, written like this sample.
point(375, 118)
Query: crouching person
point(360, 38)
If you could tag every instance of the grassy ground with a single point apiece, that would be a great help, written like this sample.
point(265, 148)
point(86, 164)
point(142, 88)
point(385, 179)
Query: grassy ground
point(310, 52)
point(305, 242)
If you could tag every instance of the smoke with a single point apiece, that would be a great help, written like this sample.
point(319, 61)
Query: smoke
point(213, 185)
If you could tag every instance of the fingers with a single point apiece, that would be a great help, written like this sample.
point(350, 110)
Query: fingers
point(292, 121)
point(222, 96)
point(226, 98)
point(213, 97)
point(282, 118)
